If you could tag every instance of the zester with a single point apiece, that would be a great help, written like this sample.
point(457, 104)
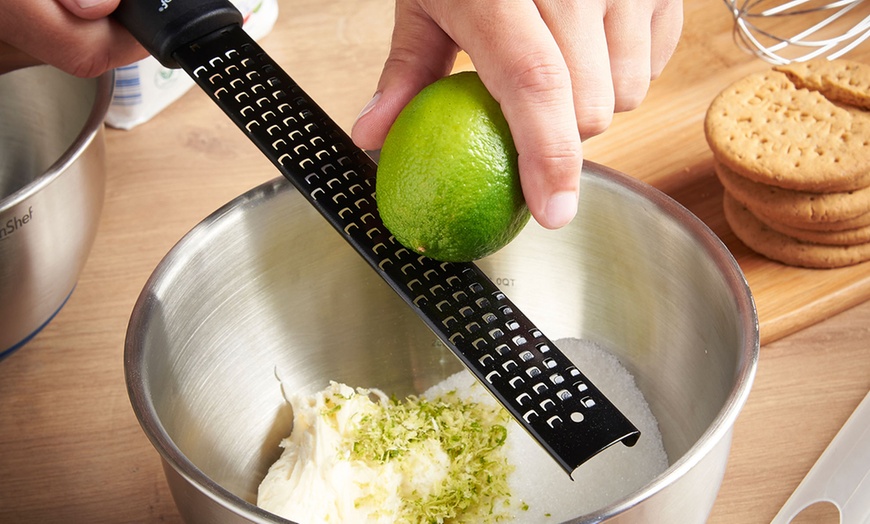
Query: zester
point(541, 388)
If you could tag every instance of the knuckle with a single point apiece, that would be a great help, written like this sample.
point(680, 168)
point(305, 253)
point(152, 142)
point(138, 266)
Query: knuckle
point(628, 101)
point(560, 161)
point(86, 65)
point(594, 123)
point(84, 70)
point(399, 58)
point(594, 111)
point(406, 59)
point(537, 73)
point(630, 92)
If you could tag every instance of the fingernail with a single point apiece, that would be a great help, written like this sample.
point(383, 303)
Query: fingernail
point(86, 4)
point(561, 209)
point(369, 106)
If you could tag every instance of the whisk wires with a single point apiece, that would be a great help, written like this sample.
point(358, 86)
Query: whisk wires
point(799, 30)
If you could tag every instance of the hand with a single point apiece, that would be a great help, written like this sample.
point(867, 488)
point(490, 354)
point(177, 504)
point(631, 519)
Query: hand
point(559, 69)
point(75, 36)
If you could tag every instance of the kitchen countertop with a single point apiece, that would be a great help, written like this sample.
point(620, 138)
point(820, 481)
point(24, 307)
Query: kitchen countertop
point(71, 449)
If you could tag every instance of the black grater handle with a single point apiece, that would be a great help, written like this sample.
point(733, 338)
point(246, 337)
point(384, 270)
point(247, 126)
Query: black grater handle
point(164, 26)
point(537, 384)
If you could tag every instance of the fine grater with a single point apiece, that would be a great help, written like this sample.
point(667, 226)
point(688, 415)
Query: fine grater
point(540, 387)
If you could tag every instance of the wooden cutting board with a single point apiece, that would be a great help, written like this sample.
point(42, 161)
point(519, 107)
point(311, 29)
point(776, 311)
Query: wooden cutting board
point(670, 122)
point(788, 298)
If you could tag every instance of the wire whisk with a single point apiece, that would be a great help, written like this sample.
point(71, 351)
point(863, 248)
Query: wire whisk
point(799, 30)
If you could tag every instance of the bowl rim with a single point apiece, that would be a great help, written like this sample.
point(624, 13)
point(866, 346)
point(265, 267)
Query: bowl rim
point(719, 428)
point(747, 362)
point(93, 124)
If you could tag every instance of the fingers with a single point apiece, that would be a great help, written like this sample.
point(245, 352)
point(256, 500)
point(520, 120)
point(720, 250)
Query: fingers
point(608, 47)
point(559, 69)
point(641, 37)
point(52, 34)
point(628, 44)
point(522, 67)
point(12, 58)
point(420, 53)
point(90, 9)
point(579, 30)
point(665, 27)
point(528, 75)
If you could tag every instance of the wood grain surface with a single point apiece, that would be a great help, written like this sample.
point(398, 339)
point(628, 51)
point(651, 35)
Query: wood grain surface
point(71, 449)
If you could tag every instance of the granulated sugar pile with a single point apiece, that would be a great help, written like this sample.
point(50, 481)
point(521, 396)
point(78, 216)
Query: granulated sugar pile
point(354, 456)
point(540, 483)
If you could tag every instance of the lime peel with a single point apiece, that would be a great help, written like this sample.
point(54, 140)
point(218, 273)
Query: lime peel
point(448, 181)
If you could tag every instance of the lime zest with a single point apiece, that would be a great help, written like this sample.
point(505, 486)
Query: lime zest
point(405, 434)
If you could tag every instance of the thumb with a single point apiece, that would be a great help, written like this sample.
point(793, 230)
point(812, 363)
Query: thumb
point(420, 53)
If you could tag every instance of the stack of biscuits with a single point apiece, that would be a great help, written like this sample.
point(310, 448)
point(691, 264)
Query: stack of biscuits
point(792, 150)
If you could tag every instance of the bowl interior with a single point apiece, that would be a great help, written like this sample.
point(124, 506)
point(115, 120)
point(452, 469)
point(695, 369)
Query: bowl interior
point(264, 290)
point(43, 111)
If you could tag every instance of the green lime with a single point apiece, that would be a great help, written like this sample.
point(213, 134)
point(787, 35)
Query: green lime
point(448, 185)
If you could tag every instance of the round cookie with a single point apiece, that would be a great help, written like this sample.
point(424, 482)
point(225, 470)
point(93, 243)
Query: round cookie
point(782, 248)
point(842, 225)
point(767, 130)
point(794, 207)
point(839, 80)
point(846, 237)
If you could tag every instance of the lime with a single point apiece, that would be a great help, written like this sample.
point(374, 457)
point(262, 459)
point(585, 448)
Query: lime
point(448, 185)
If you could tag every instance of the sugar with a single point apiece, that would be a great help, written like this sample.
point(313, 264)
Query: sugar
point(540, 490)
point(540, 483)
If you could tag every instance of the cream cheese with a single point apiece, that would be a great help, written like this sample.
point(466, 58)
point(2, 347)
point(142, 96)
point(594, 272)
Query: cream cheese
point(356, 456)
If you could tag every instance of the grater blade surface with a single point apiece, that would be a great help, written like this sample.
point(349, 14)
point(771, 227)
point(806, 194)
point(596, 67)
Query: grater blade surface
point(541, 388)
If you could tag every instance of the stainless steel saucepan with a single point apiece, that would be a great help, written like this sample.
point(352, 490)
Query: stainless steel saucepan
point(52, 177)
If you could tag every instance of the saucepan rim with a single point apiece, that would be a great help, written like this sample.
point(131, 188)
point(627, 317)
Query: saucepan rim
point(105, 84)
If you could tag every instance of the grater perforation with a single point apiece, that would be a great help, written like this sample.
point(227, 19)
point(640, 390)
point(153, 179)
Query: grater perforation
point(541, 388)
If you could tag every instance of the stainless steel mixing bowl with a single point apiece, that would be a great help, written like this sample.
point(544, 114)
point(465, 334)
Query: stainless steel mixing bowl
point(264, 284)
point(52, 178)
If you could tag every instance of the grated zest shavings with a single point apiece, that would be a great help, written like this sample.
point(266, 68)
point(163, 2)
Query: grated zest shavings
point(475, 487)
